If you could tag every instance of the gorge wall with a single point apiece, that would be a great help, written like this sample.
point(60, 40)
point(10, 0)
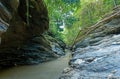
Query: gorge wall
point(23, 35)
point(97, 56)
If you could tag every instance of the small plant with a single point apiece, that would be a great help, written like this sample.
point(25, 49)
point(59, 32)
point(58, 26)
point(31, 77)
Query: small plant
point(27, 13)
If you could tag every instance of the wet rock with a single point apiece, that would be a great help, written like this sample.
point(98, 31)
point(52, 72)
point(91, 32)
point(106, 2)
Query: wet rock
point(97, 56)
point(3, 28)
point(66, 70)
point(56, 48)
point(23, 43)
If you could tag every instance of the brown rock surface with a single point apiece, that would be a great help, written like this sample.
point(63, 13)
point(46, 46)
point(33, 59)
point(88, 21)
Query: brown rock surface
point(22, 43)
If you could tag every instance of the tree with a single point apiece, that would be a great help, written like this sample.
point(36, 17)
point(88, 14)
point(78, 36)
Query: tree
point(61, 14)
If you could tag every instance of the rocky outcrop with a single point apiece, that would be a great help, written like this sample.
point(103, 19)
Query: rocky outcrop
point(97, 56)
point(21, 33)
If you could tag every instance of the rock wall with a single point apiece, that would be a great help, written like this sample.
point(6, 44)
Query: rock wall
point(98, 55)
point(23, 42)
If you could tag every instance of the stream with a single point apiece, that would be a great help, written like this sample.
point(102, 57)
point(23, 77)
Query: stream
point(48, 70)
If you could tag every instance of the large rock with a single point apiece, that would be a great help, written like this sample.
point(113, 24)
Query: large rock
point(98, 55)
point(23, 42)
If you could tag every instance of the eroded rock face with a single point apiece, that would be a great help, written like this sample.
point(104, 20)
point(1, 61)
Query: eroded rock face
point(38, 15)
point(98, 55)
point(22, 43)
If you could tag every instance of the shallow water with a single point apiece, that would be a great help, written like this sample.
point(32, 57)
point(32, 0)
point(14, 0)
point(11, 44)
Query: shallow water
point(48, 70)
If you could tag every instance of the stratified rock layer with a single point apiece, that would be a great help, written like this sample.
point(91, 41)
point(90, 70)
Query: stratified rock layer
point(21, 33)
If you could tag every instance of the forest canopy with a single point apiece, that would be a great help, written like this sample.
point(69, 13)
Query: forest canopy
point(68, 17)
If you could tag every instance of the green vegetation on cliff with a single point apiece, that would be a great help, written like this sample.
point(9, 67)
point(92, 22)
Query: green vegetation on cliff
point(68, 17)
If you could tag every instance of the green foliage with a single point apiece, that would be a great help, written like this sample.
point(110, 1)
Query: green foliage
point(61, 14)
point(76, 15)
point(88, 14)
